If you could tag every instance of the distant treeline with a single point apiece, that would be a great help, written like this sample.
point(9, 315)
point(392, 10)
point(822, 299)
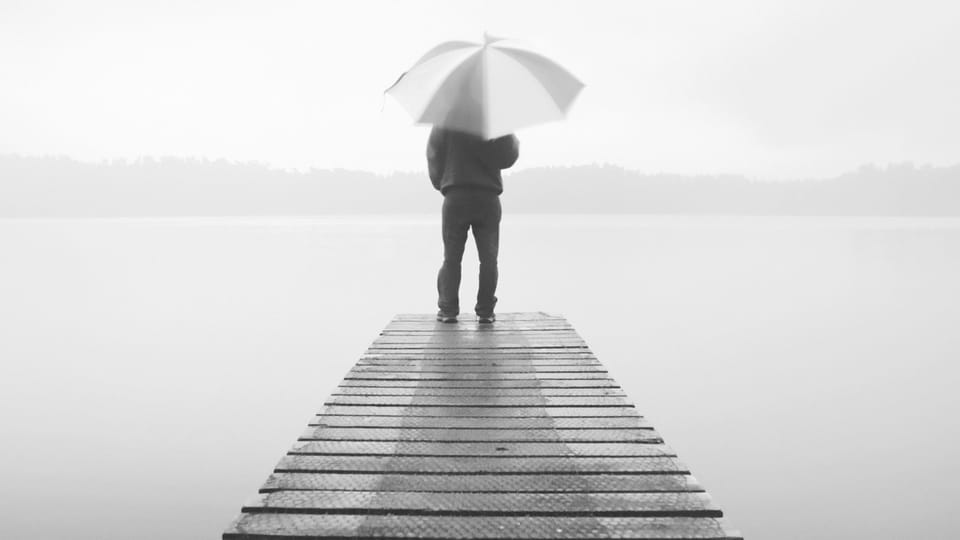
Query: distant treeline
point(62, 187)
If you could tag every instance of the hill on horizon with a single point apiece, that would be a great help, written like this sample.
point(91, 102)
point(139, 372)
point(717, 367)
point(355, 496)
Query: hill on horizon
point(148, 187)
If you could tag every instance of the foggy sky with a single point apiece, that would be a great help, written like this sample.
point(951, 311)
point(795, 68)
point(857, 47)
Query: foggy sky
point(767, 89)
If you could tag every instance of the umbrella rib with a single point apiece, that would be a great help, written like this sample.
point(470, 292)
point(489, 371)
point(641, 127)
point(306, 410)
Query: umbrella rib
point(414, 76)
point(444, 47)
point(562, 102)
point(458, 75)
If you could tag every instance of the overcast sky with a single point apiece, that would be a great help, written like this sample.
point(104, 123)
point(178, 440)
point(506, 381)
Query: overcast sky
point(765, 88)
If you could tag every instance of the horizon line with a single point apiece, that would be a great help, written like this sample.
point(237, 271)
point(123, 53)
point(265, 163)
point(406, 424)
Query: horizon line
point(269, 167)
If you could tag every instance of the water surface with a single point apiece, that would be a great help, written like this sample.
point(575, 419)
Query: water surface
point(154, 370)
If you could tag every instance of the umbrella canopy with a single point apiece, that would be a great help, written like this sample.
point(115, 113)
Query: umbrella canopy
point(488, 89)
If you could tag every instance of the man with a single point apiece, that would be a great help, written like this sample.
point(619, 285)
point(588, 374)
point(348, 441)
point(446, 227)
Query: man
point(466, 169)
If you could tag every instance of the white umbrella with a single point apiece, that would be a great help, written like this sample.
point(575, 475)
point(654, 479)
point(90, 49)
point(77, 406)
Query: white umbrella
point(488, 89)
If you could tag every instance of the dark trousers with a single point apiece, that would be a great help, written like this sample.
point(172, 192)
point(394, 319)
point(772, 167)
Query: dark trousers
point(464, 209)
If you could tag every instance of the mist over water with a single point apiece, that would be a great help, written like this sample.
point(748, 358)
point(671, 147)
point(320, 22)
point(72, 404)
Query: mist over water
point(154, 370)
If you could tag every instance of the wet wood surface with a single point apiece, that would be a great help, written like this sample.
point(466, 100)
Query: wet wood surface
point(467, 431)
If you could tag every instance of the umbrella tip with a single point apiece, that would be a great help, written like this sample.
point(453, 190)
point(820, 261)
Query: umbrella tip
point(488, 39)
point(396, 82)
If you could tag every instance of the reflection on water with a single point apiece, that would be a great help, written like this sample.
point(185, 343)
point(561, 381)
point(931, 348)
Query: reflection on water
point(153, 371)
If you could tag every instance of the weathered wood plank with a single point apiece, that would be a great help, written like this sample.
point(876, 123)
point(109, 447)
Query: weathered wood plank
point(504, 424)
point(414, 376)
point(485, 483)
point(480, 401)
point(505, 356)
point(501, 317)
point(470, 341)
point(498, 412)
point(496, 383)
point(478, 392)
point(487, 354)
point(473, 325)
point(483, 352)
point(456, 370)
point(489, 449)
point(516, 347)
point(682, 504)
point(252, 526)
point(527, 331)
point(479, 465)
point(478, 340)
point(480, 435)
point(454, 333)
point(555, 345)
point(480, 352)
point(469, 364)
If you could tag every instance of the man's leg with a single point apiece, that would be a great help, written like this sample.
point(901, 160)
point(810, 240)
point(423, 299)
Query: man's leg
point(454, 239)
point(486, 233)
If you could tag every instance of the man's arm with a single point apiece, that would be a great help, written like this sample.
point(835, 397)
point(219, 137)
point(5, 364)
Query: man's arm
point(502, 152)
point(436, 154)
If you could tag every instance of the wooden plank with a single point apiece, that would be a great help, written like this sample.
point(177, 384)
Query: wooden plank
point(254, 526)
point(548, 346)
point(489, 449)
point(682, 504)
point(474, 376)
point(496, 383)
point(467, 340)
point(454, 357)
point(505, 367)
point(485, 352)
point(516, 347)
point(477, 333)
point(467, 331)
point(474, 330)
point(447, 332)
point(499, 357)
point(367, 368)
point(480, 401)
point(474, 326)
point(468, 326)
point(447, 422)
point(501, 317)
point(481, 392)
point(525, 331)
point(481, 412)
point(480, 435)
point(427, 363)
point(485, 483)
point(490, 341)
point(479, 465)
point(479, 364)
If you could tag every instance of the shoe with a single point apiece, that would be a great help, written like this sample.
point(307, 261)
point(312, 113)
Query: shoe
point(486, 319)
point(444, 318)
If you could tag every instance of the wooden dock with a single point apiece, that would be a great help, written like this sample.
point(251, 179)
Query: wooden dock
point(461, 431)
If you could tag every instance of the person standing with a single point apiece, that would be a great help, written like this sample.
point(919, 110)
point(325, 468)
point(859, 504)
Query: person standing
point(465, 168)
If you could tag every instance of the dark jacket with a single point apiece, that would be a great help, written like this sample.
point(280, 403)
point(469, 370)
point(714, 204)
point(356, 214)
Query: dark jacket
point(456, 159)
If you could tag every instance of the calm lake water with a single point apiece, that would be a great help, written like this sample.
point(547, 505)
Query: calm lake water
point(153, 371)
